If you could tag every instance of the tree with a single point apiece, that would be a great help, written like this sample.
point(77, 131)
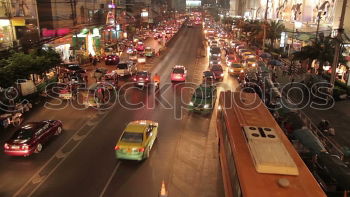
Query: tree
point(274, 30)
point(322, 50)
point(21, 65)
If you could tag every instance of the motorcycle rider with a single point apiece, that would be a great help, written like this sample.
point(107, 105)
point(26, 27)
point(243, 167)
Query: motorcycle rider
point(156, 80)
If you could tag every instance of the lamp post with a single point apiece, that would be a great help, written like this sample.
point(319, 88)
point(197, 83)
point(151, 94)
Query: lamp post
point(297, 25)
point(265, 21)
point(337, 46)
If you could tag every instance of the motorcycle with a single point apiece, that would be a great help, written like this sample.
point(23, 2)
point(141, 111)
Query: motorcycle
point(156, 85)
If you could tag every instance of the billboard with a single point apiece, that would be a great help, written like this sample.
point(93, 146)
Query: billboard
point(193, 3)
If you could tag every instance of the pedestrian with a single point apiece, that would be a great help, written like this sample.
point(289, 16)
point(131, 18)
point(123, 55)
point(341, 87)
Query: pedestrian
point(94, 61)
point(90, 58)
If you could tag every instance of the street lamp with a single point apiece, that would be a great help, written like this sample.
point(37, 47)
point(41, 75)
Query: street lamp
point(297, 25)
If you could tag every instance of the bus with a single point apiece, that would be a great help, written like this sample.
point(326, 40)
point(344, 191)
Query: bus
point(256, 157)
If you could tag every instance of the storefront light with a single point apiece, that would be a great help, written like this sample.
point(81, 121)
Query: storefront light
point(4, 22)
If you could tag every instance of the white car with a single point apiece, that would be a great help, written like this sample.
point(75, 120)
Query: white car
point(126, 68)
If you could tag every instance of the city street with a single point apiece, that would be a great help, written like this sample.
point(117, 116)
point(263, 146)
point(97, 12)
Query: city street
point(81, 162)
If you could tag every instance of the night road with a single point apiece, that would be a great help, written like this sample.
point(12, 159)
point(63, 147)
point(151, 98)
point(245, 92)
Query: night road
point(82, 161)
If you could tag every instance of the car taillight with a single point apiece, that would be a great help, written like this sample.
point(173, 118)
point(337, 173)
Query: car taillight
point(114, 58)
point(25, 147)
point(105, 58)
point(6, 146)
point(134, 78)
point(116, 148)
point(147, 79)
point(141, 150)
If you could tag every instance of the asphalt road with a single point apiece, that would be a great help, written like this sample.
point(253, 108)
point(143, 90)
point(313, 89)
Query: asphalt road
point(81, 162)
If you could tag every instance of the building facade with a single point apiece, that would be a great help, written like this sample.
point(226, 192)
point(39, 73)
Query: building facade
point(18, 23)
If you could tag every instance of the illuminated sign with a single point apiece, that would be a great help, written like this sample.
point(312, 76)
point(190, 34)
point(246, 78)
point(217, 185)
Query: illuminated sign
point(111, 6)
point(193, 3)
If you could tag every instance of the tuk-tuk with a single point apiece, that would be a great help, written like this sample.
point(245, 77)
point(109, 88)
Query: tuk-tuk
point(111, 80)
point(67, 91)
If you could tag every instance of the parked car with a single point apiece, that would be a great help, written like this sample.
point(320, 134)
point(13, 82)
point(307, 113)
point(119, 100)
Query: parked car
point(30, 137)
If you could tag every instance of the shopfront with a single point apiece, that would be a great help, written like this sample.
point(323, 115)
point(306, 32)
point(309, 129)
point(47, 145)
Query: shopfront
point(6, 35)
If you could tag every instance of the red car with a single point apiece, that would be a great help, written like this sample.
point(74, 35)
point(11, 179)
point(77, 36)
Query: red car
point(142, 78)
point(218, 71)
point(179, 73)
point(112, 60)
point(140, 46)
point(30, 138)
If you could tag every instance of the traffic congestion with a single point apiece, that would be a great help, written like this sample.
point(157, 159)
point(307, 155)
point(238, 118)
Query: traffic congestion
point(141, 117)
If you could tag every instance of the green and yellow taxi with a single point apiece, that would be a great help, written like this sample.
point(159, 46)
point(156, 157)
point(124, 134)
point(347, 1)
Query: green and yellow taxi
point(236, 69)
point(203, 99)
point(149, 52)
point(137, 140)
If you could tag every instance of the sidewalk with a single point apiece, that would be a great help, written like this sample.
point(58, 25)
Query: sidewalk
point(338, 115)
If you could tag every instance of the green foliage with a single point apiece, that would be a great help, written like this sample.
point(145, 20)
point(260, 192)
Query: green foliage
point(322, 50)
point(274, 30)
point(21, 65)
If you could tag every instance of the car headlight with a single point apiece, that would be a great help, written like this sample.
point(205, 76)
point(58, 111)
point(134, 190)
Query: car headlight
point(222, 74)
point(242, 71)
point(206, 106)
point(219, 62)
point(254, 65)
point(211, 62)
point(231, 69)
point(191, 103)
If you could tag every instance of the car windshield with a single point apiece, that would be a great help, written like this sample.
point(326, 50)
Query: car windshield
point(203, 93)
point(216, 68)
point(236, 66)
point(251, 60)
point(142, 74)
point(74, 67)
point(215, 50)
point(148, 49)
point(132, 137)
point(122, 66)
point(178, 71)
point(208, 74)
point(214, 58)
point(24, 134)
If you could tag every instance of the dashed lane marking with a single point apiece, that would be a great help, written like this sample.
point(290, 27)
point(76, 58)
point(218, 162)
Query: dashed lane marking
point(32, 185)
point(109, 180)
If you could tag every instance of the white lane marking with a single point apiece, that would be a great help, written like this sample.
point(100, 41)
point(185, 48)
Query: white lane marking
point(39, 182)
point(109, 180)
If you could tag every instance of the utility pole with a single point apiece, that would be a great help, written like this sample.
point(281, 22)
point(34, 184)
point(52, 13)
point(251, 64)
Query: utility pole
point(265, 23)
point(74, 11)
point(338, 45)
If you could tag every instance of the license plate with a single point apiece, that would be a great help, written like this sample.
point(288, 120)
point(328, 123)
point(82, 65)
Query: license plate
point(109, 59)
point(15, 147)
point(140, 83)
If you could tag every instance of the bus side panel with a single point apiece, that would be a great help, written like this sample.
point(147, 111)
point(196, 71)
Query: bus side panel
point(224, 164)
